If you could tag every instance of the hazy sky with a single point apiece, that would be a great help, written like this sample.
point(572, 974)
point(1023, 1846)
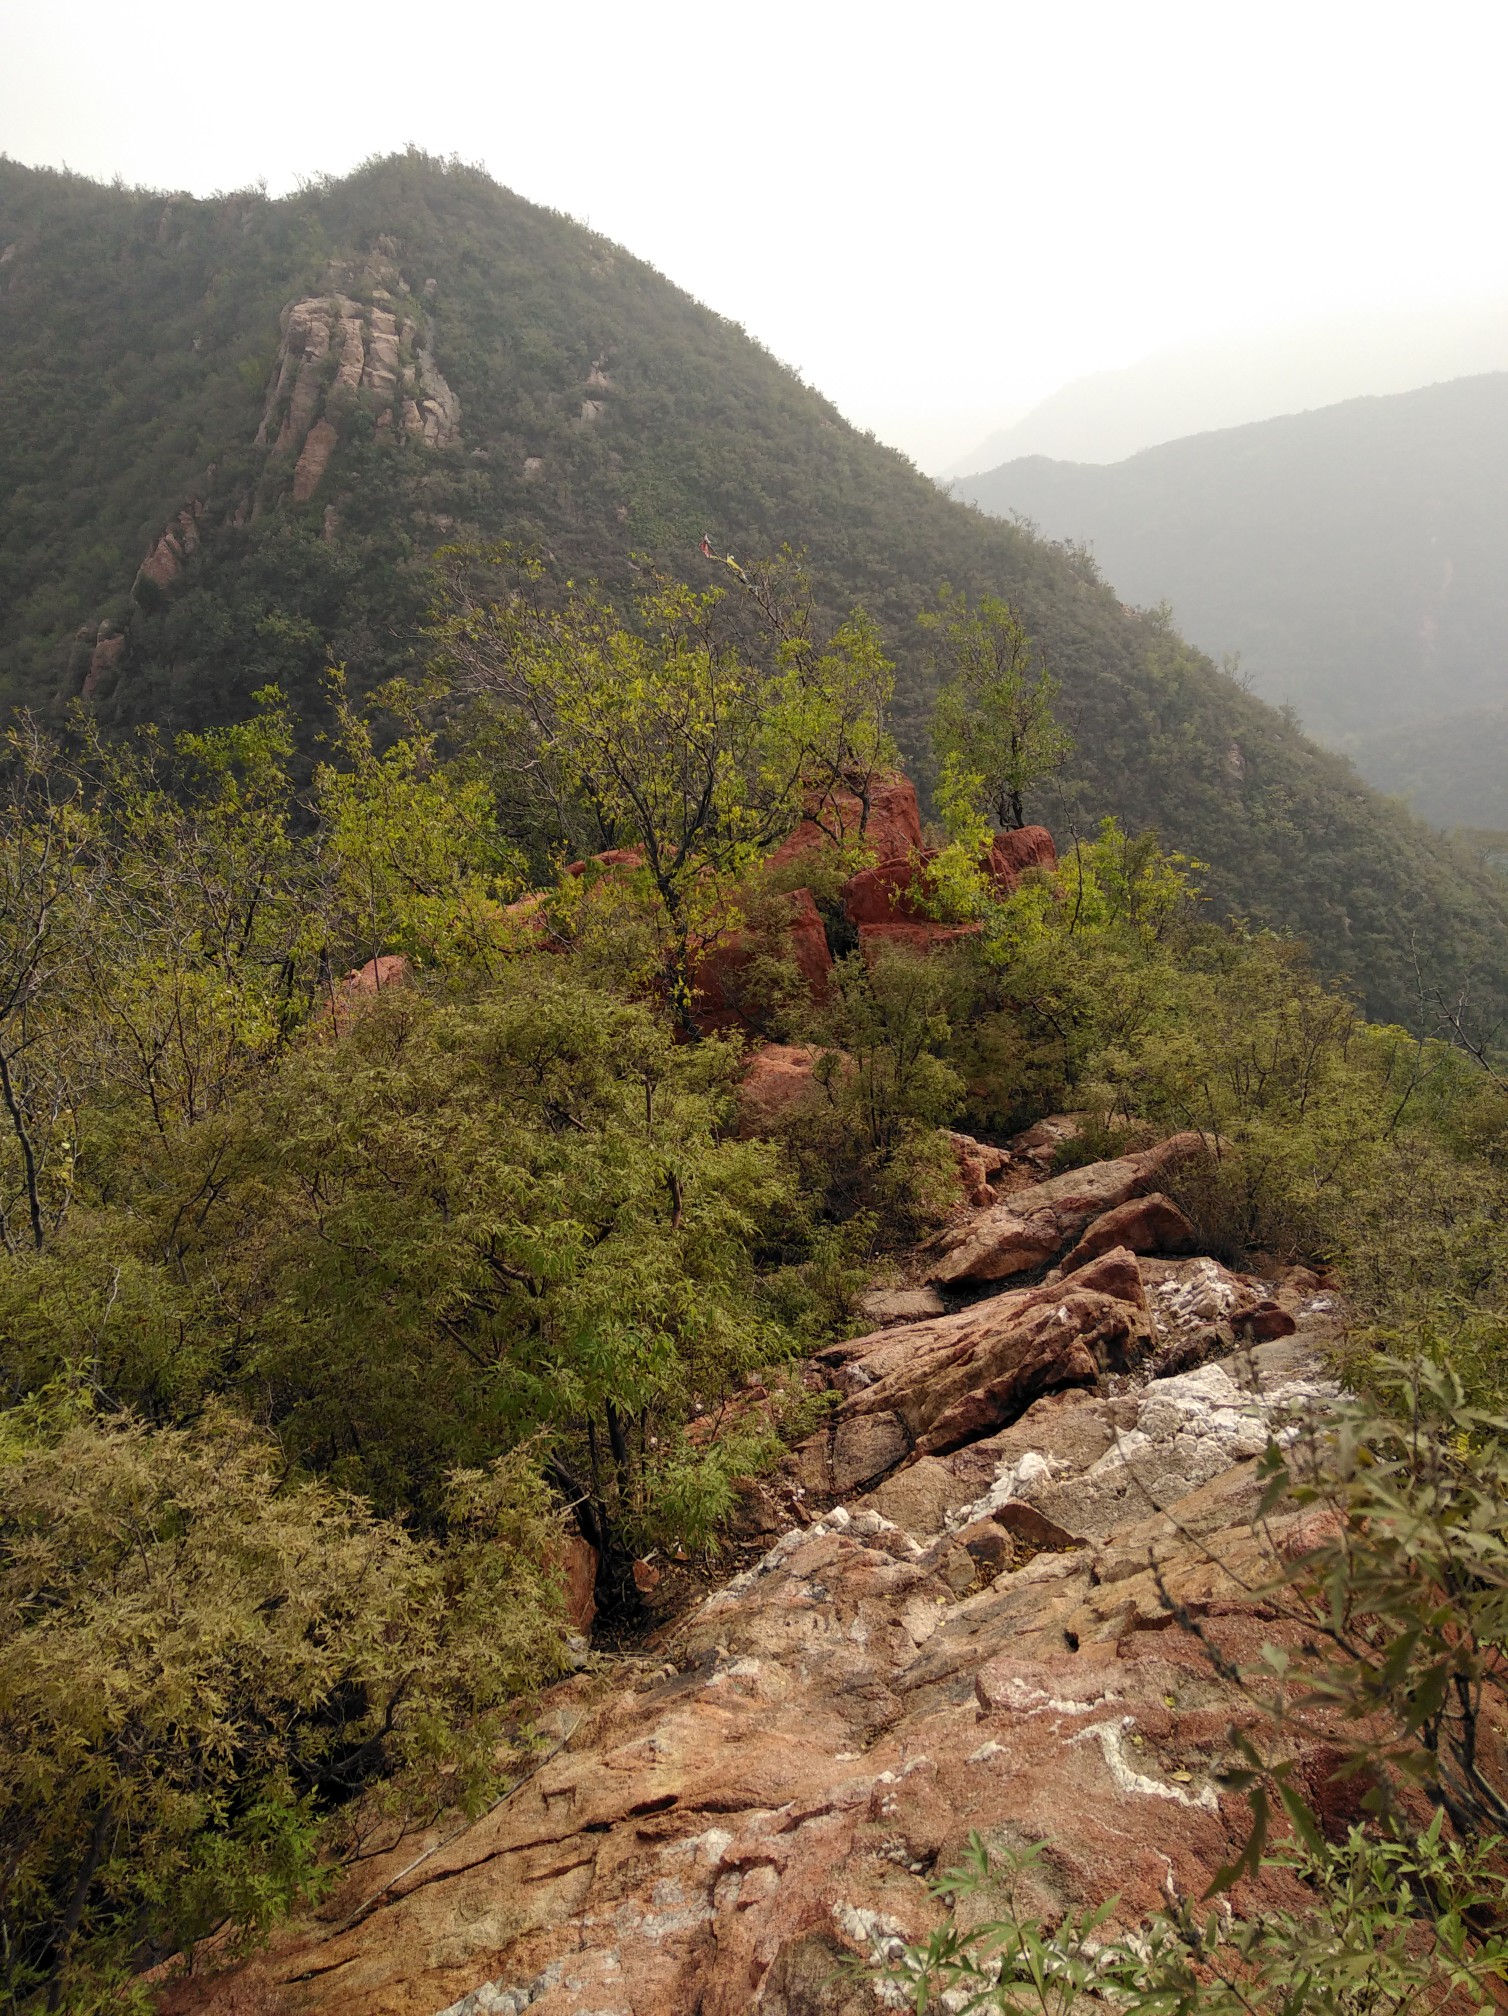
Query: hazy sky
point(938, 213)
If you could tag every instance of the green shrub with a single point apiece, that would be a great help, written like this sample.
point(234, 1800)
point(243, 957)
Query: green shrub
point(199, 1659)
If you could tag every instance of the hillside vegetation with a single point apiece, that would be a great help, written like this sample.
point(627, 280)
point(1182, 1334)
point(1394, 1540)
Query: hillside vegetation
point(601, 414)
point(1351, 556)
point(332, 1301)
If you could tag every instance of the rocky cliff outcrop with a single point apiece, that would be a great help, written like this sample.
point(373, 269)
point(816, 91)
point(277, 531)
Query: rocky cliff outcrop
point(365, 344)
point(768, 1795)
point(882, 905)
point(335, 349)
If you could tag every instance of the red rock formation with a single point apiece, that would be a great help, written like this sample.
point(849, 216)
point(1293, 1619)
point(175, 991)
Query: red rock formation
point(378, 976)
point(1150, 1224)
point(721, 1826)
point(388, 969)
point(978, 1164)
point(1035, 1225)
point(955, 1378)
point(779, 1082)
point(722, 971)
point(1011, 854)
point(575, 1560)
point(894, 826)
point(886, 903)
point(614, 857)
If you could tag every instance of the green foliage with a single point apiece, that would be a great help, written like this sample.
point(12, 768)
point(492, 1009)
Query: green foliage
point(195, 1654)
point(668, 738)
point(1404, 1601)
point(360, 1288)
point(1394, 1927)
point(140, 334)
point(872, 1146)
point(993, 728)
point(419, 861)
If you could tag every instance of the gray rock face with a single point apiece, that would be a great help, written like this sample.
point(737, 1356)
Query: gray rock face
point(386, 363)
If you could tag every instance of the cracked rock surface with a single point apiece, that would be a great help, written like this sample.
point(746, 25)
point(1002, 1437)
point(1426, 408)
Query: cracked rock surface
point(963, 1621)
point(980, 1641)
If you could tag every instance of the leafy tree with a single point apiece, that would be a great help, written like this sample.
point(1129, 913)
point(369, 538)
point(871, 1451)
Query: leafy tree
point(416, 858)
point(827, 714)
point(993, 727)
point(50, 885)
point(198, 1658)
point(666, 739)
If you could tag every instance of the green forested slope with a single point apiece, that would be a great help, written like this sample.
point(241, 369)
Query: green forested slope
point(138, 337)
point(1353, 556)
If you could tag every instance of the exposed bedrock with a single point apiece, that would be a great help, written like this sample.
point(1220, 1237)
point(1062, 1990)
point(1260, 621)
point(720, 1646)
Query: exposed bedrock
point(982, 1641)
point(1033, 1227)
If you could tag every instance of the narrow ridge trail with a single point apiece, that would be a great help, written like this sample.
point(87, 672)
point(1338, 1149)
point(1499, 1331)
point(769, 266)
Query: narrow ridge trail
point(961, 1623)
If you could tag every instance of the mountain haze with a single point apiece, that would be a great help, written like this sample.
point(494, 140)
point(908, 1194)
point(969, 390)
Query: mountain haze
point(1228, 381)
point(236, 429)
point(1354, 557)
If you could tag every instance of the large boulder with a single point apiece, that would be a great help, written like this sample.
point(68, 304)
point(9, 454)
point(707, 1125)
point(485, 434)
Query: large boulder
point(895, 889)
point(1035, 1225)
point(953, 1379)
point(1150, 1224)
point(1012, 853)
point(779, 1082)
point(893, 827)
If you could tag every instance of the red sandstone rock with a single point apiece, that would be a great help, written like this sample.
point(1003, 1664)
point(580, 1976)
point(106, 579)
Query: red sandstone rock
point(778, 1083)
point(978, 1164)
point(894, 825)
point(955, 1378)
point(1035, 1225)
point(388, 969)
point(885, 893)
point(577, 1562)
point(894, 890)
point(720, 1830)
point(718, 977)
point(1265, 1322)
point(614, 857)
point(1150, 1224)
point(378, 976)
point(1012, 853)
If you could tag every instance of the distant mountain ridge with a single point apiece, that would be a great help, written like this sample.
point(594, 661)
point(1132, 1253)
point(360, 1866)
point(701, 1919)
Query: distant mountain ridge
point(237, 429)
point(1230, 381)
point(1356, 558)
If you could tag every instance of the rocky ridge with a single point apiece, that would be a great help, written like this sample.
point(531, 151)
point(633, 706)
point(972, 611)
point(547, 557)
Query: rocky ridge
point(961, 1621)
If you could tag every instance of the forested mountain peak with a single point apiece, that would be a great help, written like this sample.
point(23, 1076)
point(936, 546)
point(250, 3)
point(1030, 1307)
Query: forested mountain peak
point(240, 427)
